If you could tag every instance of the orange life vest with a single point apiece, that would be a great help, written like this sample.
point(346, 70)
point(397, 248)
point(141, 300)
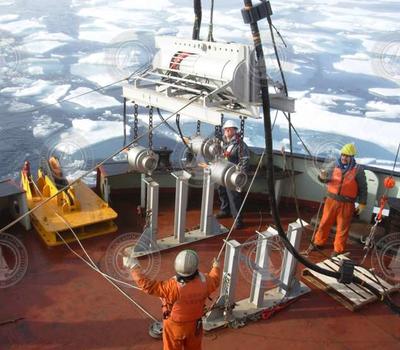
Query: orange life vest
point(190, 304)
point(344, 184)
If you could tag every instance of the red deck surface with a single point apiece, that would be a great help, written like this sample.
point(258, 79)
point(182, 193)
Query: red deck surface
point(62, 304)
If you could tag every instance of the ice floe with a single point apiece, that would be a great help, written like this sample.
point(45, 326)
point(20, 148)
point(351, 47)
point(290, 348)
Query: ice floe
point(57, 93)
point(40, 47)
point(19, 27)
point(385, 92)
point(86, 98)
point(44, 126)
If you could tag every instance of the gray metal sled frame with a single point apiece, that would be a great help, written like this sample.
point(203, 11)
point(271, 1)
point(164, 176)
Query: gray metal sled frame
point(228, 312)
point(209, 226)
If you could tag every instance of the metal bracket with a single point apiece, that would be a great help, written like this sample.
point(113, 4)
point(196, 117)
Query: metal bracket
point(208, 223)
point(226, 310)
point(261, 272)
point(289, 284)
point(148, 242)
point(257, 12)
point(217, 317)
point(182, 178)
point(148, 236)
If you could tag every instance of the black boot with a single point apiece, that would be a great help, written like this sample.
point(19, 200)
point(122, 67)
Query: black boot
point(222, 215)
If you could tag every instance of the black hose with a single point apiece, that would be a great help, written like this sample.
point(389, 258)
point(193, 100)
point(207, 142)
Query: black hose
point(166, 123)
point(210, 36)
point(270, 170)
point(197, 19)
point(181, 134)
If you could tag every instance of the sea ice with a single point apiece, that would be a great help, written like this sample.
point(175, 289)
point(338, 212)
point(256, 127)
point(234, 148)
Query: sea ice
point(45, 126)
point(19, 27)
point(91, 99)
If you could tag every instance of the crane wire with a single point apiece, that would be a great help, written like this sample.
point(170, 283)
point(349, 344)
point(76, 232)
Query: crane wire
point(196, 97)
point(67, 99)
point(90, 261)
point(241, 207)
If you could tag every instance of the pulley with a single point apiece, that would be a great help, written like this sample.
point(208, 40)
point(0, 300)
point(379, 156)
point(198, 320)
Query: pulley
point(209, 148)
point(228, 174)
point(156, 330)
point(142, 159)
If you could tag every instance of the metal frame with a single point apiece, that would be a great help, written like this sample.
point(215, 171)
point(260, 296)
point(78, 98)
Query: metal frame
point(208, 223)
point(170, 89)
point(221, 312)
point(148, 242)
point(226, 310)
point(145, 242)
point(182, 179)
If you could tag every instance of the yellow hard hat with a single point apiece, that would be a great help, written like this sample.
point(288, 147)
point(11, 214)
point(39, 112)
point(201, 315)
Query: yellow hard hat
point(349, 149)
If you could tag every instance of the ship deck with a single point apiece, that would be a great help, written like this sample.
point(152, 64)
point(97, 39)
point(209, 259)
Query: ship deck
point(62, 303)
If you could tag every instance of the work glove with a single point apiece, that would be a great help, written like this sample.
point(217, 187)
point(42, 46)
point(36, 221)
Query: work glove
point(323, 175)
point(215, 263)
point(130, 262)
point(360, 209)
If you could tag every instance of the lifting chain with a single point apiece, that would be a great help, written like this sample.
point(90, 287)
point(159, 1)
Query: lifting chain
point(241, 135)
point(226, 283)
point(135, 121)
point(147, 221)
point(198, 127)
point(218, 128)
point(151, 128)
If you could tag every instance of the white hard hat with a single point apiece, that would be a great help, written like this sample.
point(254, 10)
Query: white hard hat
point(230, 124)
point(186, 263)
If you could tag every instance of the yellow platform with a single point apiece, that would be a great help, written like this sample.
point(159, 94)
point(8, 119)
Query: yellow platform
point(81, 209)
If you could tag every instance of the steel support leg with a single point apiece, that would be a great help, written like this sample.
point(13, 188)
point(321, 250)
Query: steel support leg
point(226, 299)
point(143, 186)
point(181, 197)
point(290, 284)
point(208, 224)
point(261, 270)
point(149, 235)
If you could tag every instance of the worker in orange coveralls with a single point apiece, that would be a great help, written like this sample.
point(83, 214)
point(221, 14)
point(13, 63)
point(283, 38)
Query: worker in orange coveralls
point(183, 297)
point(346, 182)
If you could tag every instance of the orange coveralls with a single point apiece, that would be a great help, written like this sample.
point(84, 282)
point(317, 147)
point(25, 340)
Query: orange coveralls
point(343, 189)
point(184, 303)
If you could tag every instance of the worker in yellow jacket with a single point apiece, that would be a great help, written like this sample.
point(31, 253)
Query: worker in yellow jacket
point(183, 298)
point(346, 183)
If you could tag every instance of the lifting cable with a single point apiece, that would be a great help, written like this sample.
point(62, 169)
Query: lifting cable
point(194, 99)
point(270, 170)
point(166, 123)
point(143, 68)
point(178, 125)
point(242, 205)
point(90, 262)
